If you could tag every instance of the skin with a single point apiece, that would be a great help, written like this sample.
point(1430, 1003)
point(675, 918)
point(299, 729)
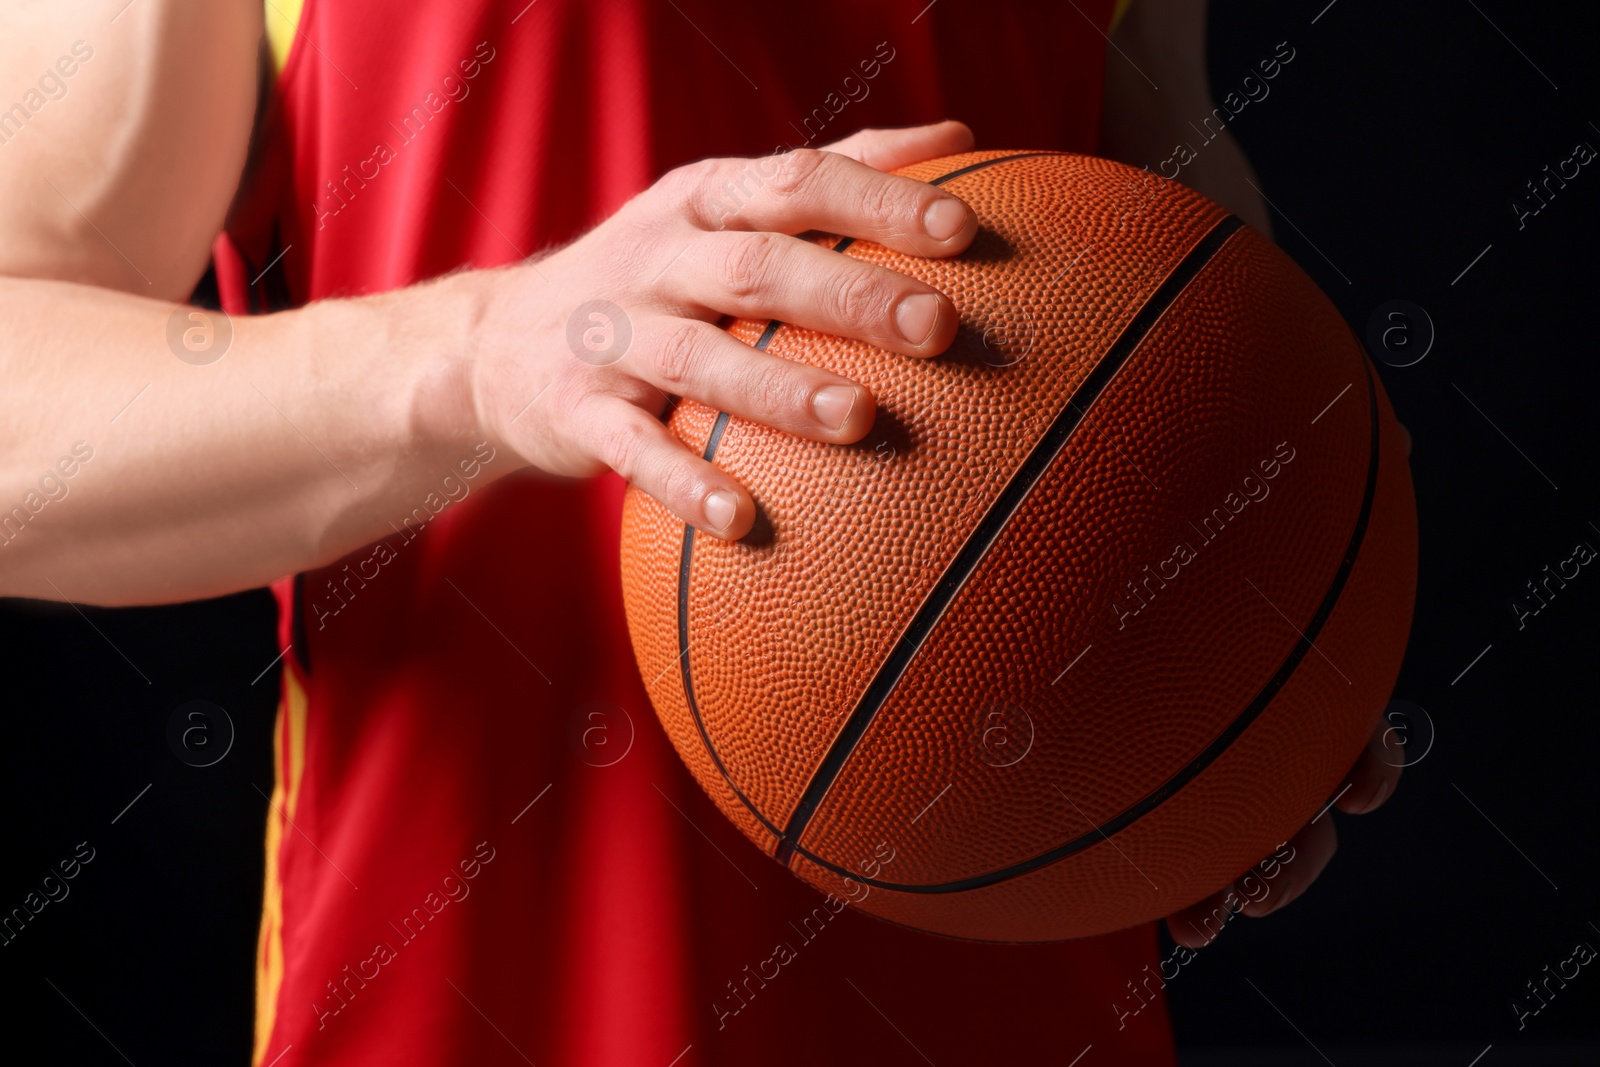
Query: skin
point(322, 422)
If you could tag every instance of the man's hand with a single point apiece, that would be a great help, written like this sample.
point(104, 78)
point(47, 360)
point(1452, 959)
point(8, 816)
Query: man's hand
point(324, 424)
point(710, 239)
point(1370, 782)
point(1162, 42)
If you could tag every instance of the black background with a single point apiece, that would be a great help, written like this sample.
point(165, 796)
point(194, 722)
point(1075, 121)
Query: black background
point(1396, 143)
point(1392, 148)
point(155, 942)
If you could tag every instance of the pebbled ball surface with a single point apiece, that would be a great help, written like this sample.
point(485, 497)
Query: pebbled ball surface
point(1051, 698)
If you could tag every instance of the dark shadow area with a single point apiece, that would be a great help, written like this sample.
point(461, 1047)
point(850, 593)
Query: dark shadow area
point(1396, 151)
point(139, 869)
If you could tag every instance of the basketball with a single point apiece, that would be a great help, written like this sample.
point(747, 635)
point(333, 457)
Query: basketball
point(1098, 615)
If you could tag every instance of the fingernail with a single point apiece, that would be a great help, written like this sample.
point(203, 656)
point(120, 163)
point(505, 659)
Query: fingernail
point(1377, 798)
point(720, 506)
point(915, 315)
point(832, 404)
point(944, 218)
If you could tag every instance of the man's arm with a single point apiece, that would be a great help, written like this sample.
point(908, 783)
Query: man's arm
point(1156, 86)
point(123, 134)
point(128, 475)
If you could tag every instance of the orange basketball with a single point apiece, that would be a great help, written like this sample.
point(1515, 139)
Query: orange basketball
point(1098, 615)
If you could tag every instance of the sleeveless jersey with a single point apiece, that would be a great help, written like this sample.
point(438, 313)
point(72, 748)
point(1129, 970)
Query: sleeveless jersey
point(480, 847)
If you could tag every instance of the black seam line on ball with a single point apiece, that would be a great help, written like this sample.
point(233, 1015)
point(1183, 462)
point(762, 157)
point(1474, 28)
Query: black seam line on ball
point(1223, 741)
point(988, 528)
point(760, 346)
point(688, 531)
point(717, 429)
point(983, 163)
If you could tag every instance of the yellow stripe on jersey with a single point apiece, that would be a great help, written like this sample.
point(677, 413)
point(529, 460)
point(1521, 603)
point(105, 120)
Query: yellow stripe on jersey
point(283, 18)
point(288, 761)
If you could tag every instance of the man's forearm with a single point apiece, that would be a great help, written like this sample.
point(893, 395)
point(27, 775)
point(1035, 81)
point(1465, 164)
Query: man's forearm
point(129, 476)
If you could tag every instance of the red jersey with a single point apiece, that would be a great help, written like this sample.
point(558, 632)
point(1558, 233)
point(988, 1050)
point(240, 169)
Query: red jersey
point(481, 848)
